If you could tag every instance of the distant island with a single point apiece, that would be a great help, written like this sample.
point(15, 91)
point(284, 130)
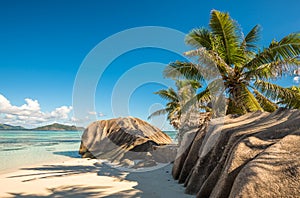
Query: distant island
point(10, 127)
point(50, 127)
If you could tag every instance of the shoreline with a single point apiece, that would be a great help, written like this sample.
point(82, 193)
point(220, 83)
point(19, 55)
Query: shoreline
point(77, 177)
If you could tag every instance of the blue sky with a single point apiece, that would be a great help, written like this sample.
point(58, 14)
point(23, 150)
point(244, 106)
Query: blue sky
point(43, 44)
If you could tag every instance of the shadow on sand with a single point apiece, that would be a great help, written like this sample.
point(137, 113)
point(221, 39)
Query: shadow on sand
point(65, 191)
point(73, 154)
point(162, 186)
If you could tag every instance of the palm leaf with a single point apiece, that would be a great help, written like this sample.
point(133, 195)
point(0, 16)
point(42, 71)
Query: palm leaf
point(264, 102)
point(210, 61)
point(227, 30)
point(294, 103)
point(249, 102)
point(200, 98)
point(194, 84)
point(250, 42)
point(287, 48)
point(199, 38)
point(273, 69)
point(174, 112)
point(158, 113)
point(206, 108)
point(169, 94)
point(186, 69)
point(276, 92)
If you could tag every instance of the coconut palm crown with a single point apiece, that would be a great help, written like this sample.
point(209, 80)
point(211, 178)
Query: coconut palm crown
point(245, 69)
point(186, 90)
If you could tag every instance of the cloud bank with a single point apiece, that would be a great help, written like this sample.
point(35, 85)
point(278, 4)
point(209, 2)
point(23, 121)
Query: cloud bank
point(30, 114)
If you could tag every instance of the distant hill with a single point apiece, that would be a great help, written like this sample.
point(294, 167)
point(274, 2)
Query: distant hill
point(51, 127)
point(10, 127)
point(58, 127)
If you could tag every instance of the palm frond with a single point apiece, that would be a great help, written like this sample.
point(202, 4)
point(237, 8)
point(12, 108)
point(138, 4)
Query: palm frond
point(194, 84)
point(205, 108)
point(157, 113)
point(294, 88)
point(294, 103)
point(200, 37)
point(273, 69)
point(200, 98)
point(249, 101)
point(264, 102)
point(210, 61)
point(250, 42)
point(186, 69)
point(174, 112)
point(276, 92)
point(227, 30)
point(287, 48)
point(169, 94)
point(186, 89)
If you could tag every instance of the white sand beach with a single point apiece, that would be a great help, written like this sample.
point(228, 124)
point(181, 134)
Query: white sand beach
point(88, 178)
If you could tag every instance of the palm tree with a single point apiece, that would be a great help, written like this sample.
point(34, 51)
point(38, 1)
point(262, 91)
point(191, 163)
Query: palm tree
point(245, 69)
point(291, 103)
point(186, 90)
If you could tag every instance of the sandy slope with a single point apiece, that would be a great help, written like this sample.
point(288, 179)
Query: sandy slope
point(88, 178)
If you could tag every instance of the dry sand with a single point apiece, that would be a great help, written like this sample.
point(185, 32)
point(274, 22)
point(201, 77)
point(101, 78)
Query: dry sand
point(88, 178)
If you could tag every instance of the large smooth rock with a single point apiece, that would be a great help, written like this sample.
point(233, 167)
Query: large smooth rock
point(126, 138)
point(192, 130)
point(273, 173)
point(255, 155)
point(182, 153)
point(192, 154)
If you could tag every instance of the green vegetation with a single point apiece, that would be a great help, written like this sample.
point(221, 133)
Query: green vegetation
point(245, 69)
point(10, 127)
point(57, 127)
point(186, 90)
point(291, 103)
point(51, 127)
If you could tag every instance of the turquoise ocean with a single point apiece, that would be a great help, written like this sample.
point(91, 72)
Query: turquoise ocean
point(24, 148)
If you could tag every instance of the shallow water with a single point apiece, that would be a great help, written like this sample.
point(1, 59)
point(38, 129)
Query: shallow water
point(24, 148)
point(21, 148)
point(172, 134)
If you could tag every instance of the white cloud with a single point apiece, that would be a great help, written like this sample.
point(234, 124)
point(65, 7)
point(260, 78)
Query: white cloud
point(101, 114)
point(88, 118)
point(61, 112)
point(296, 79)
point(30, 114)
point(9, 116)
point(92, 112)
point(31, 107)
